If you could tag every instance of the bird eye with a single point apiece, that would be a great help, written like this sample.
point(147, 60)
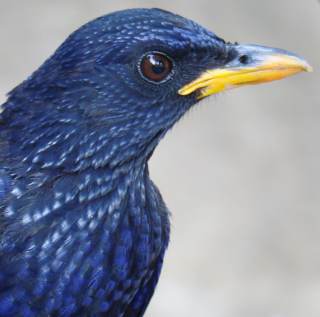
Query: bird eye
point(156, 67)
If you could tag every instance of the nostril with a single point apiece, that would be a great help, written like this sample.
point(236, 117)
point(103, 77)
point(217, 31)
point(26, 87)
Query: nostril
point(244, 59)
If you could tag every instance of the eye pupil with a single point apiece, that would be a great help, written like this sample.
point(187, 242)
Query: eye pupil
point(156, 67)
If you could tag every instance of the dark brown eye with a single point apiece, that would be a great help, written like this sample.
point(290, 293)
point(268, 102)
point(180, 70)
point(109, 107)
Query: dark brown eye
point(156, 67)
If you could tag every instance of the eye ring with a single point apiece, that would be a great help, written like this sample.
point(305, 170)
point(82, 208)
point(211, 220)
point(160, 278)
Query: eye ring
point(156, 67)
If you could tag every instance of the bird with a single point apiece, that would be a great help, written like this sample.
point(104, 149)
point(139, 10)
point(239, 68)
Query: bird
point(83, 229)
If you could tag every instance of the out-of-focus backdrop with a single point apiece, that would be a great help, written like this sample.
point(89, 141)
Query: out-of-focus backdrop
point(240, 173)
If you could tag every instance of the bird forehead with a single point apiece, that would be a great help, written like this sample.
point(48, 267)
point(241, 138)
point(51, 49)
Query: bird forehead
point(152, 25)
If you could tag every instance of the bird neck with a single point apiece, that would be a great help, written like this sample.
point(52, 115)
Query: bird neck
point(87, 175)
point(71, 164)
point(85, 204)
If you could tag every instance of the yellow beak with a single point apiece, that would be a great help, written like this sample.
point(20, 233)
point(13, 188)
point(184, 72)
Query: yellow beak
point(254, 65)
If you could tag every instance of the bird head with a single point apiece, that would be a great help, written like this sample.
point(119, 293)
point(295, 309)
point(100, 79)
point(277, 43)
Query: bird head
point(129, 76)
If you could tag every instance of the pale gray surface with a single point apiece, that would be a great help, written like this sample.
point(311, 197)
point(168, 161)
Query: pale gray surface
point(240, 174)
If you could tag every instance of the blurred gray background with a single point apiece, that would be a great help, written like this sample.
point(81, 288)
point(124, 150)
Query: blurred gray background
point(240, 172)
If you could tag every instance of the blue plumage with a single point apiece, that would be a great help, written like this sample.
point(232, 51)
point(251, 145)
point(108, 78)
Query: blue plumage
point(83, 228)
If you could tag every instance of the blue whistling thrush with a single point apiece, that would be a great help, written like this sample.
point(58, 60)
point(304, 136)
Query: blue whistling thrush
point(83, 229)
